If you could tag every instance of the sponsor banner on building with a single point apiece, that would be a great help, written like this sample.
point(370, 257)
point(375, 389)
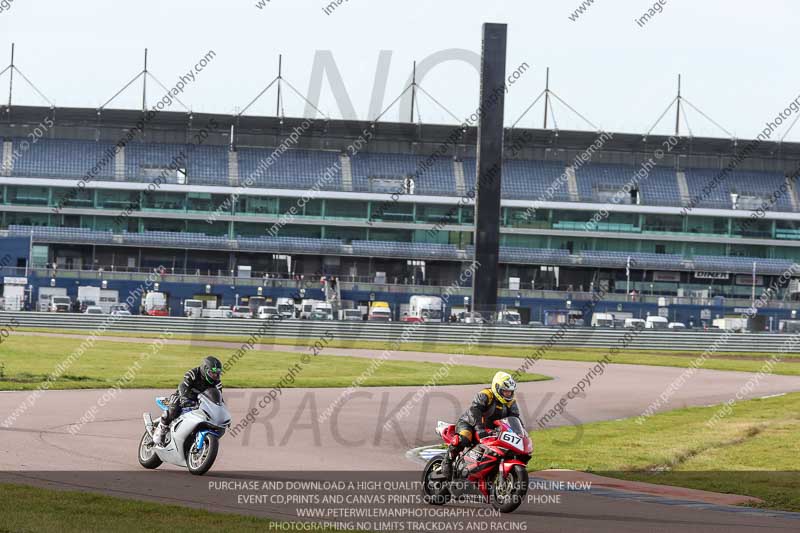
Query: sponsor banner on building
point(712, 275)
point(744, 279)
point(674, 277)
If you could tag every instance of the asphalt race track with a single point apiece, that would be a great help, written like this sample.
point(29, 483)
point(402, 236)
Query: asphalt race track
point(288, 435)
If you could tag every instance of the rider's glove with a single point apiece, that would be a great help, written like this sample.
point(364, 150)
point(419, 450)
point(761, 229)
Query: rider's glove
point(482, 433)
point(187, 402)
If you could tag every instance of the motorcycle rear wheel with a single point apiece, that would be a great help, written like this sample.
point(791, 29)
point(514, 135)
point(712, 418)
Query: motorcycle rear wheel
point(508, 494)
point(200, 461)
point(147, 453)
point(434, 492)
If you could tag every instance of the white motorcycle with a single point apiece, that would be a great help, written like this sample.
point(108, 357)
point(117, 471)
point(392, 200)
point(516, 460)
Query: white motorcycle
point(193, 438)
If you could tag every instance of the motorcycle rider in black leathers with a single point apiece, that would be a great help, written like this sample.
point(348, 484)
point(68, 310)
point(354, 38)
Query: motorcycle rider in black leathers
point(488, 406)
point(194, 383)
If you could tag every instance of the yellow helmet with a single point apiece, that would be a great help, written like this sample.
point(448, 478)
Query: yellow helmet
point(504, 387)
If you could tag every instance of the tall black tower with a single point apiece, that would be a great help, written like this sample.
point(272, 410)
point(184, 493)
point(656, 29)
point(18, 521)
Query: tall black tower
point(490, 168)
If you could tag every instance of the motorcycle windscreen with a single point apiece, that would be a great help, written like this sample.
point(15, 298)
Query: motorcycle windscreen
point(214, 395)
point(514, 424)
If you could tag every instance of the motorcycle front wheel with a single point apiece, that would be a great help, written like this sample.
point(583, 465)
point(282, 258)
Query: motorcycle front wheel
point(147, 452)
point(509, 493)
point(200, 461)
point(434, 492)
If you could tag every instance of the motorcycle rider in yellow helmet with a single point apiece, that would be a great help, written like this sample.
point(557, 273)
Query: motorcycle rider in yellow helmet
point(490, 404)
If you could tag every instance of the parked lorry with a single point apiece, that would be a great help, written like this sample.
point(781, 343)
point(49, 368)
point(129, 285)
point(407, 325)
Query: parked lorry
point(425, 309)
point(256, 302)
point(656, 322)
point(88, 296)
point(380, 312)
point(324, 308)
point(509, 317)
point(212, 311)
point(306, 308)
point(734, 324)
point(155, 304)
point(13, 297)
point(286, 307)
point(60, 304)
point(351, 315)
point(192, 308)
point(109, 298)
point(602, 320)
point(45, 297)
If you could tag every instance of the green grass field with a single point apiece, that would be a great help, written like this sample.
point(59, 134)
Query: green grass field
point(31, 509)
point(752, 452)
point(27, 361)
point(738, 360)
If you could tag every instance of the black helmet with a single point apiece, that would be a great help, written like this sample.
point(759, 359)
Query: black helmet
point(211, 369)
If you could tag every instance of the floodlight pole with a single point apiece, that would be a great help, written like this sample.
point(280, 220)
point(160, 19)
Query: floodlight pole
point(144, 84)
point(546, 95)
point(678, 114)
point(278, 100)
point(11, 77)
point(413, 90)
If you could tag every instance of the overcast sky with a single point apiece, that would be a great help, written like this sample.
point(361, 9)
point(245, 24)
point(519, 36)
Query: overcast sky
point(736, 57)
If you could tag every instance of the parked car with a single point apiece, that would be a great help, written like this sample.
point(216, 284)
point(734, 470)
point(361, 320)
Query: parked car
point(268, 312)
point(320, 315)
point(656, 322)
point(676, 325)
point(120, 309)
point(471, 318)
point(242, 311)
point(509, 318)
point(86, 304)
point(226, 310)
point(635, 323)
point(352, 315)
point(535, 324)
point(93, 310)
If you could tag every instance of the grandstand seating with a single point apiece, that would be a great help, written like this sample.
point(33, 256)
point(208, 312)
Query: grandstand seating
point(63, 159)
point(203, 164)
point(753, 189)
point(371, 172)
point(431, 177)
point(527, 180)
point(294, 169)
point(601, 182)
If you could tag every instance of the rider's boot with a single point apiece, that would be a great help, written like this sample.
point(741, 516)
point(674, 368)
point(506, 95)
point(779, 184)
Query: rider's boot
point(447, 462)
point(158, 434)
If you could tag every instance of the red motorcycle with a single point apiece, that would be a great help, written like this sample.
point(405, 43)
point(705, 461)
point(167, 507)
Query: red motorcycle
point(496, 467)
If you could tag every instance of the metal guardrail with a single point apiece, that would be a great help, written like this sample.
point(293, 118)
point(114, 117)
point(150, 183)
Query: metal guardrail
point(524, 337)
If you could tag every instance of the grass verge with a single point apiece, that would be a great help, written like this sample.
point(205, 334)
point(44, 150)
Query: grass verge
point(27, 361)
point(32, 509)
point(733, 361)
point(751, 452)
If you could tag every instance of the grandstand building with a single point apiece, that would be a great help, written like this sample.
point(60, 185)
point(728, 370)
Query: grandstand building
point(686, 225)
